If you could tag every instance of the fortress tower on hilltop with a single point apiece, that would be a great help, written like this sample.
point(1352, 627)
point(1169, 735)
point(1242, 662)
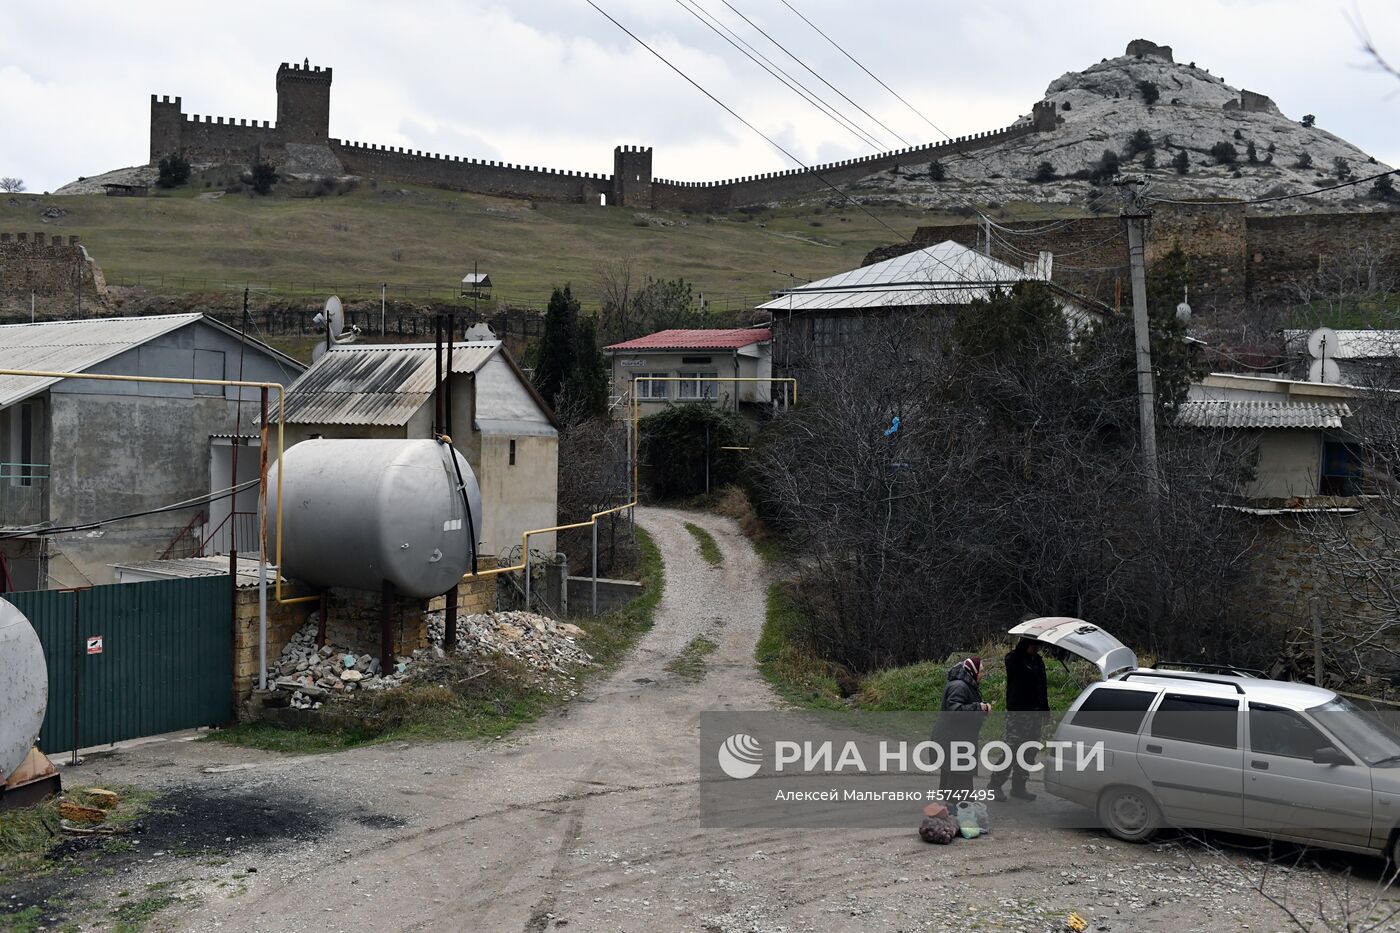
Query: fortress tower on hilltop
point(300, 141)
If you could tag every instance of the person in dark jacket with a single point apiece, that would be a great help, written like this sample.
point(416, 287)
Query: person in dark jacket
point(960, 721)
point(1027, 707)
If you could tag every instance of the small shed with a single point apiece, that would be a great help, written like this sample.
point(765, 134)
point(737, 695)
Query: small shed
point(124, 190)
point(476, 285)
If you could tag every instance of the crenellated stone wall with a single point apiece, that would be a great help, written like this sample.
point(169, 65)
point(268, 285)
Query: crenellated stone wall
point(56, 270)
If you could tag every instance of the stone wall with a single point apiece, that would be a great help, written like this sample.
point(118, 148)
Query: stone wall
point(478, 176)
point(1237, 257)
point(63, 278)
point(282, 623)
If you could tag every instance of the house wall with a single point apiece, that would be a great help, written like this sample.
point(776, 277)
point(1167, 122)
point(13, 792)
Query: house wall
point(1289, 464)
point(117, 448)
point(518, 498)
point(752, 364)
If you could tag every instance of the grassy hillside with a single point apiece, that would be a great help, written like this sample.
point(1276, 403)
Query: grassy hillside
point(422, 240)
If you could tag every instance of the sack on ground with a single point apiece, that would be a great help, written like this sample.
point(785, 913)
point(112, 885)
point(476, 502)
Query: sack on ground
point(938, 829)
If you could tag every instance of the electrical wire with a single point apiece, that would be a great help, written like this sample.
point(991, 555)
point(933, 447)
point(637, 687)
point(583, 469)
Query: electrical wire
point(39, 531)
point(1279, 197)
point(733, 113)
point(779, 75)
point(799, 61)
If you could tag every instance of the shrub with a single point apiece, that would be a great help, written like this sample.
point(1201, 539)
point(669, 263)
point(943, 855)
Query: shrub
point(1304, 161)
point(173, 170)
point(1105, 168)
point(1140, 141)
point(1149, 92)
point(1224, 153)
point(1251, 153)
point(678, 445)
point(1271, 148)
point(936, 171)
point(1066, 106)
point(1384, 189)
point(264, 176)
point(1309, 119)
point(1341, 168)
point(1181, 162)
point(1044, 172)
point(1150, 159)
point(1239, 134)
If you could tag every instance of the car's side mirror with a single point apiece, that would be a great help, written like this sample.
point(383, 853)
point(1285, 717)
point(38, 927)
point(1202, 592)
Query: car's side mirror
point(1329, 756)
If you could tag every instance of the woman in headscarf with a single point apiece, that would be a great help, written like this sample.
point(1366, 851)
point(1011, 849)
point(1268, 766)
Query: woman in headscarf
point(960, 721)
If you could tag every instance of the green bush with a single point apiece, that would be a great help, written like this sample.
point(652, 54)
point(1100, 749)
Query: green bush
point(1044, 172)
point(1149, 92)
point(173, 171)
point(1224, 153)
point(264, 176)
point(679, 445)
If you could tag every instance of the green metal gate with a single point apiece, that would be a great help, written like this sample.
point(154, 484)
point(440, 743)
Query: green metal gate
point(165, 661)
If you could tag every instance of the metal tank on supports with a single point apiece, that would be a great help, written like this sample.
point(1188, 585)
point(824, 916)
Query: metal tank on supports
point(362, 513)
point(24, 697)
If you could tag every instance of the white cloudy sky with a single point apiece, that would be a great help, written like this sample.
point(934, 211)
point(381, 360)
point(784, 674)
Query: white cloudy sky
point(551, 82)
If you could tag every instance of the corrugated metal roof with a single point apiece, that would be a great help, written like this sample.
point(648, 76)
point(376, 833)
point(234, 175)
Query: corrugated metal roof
point(734, 338)
point(945, 273)
point(193, 567)
point(380, 384)
point(1351, 344)
point(1238, 413)
point(72, 346)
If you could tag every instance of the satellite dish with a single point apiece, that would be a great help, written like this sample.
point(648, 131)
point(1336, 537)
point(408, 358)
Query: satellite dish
point(335, 317)
point(24, 688)
point(318, 351)
point(1324, 371)
point(481, 331)
point(1322, 343)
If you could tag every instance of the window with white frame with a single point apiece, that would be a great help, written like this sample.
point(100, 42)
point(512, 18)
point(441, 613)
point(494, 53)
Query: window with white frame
point(697, 386)
point(652, 390)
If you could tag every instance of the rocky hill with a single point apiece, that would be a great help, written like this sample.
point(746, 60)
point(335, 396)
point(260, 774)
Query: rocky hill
point(1149, 112)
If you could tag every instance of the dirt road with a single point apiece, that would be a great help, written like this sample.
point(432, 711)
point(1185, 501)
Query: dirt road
point(588, 821)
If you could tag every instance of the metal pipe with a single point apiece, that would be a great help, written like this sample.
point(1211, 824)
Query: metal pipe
point(262, 541)
point(449, 609)
point(595, 568)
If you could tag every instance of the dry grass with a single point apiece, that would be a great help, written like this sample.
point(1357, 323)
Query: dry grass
point(405, 234)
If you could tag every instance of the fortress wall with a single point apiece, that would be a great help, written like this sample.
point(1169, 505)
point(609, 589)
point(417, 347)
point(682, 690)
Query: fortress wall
point(1286, 249)
point(776, 186)
point(221, 139)
point(480, 176)
point(56, 269)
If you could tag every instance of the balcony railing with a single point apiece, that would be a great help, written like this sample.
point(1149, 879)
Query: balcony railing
point(24, 489)
point(240, 528)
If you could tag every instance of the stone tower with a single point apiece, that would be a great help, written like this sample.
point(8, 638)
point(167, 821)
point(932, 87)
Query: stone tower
point(631, 176)
point(166, 123)
point(303, 104)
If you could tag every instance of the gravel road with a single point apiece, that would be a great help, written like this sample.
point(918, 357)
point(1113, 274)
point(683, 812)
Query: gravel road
point(588, 820)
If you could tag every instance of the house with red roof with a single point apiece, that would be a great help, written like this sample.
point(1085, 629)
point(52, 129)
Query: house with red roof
point(708, 366)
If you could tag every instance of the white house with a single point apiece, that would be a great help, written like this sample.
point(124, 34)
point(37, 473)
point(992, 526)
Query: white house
point(692, 360)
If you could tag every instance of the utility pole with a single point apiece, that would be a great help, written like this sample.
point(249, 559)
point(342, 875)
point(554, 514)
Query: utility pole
point(383, 320)
point(1135, 217)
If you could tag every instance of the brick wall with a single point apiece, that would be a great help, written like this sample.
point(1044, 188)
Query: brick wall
point(56, 269)
point(282, 623)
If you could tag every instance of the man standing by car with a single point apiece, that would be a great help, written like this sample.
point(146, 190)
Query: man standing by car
point(1027, 707)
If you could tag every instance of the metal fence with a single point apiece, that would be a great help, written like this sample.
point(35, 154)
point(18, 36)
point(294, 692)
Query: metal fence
point(128, 660)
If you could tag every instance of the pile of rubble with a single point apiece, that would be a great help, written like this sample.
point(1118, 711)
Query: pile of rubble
point(548, 649)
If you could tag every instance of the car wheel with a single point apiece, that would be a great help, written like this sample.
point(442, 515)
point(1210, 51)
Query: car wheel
point(1392, 851)
point(1129, 814)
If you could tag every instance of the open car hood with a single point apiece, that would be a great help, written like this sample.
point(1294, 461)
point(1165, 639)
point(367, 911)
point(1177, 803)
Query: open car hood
point(1085, 639)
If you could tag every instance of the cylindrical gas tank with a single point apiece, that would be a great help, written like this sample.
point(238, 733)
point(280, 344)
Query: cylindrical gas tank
point(359, 512)
point(24, 688)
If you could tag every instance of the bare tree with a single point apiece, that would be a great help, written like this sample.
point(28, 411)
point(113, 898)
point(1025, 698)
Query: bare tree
point(11, 185)
point(592, 478)
point(1360, 279)
point(1009, 485)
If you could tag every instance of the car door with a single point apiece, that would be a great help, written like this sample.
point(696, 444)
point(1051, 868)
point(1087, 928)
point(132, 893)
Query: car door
point(1289, 794)
point(1190, 752)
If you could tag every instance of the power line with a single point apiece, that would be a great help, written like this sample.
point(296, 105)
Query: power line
point(781, 76)
point(799, 61)
point(865, 69)
point(1280, 197)
point(36, 531)
point(733, 113)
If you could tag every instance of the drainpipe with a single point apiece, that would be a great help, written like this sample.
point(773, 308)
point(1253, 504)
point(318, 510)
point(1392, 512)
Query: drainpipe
point(736, 381)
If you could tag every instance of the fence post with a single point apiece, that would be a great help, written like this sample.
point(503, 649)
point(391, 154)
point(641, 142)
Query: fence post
point(527, 577)
point(595, 567)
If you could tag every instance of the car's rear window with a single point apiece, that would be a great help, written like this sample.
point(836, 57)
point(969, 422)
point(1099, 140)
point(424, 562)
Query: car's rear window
point(1114, 709)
